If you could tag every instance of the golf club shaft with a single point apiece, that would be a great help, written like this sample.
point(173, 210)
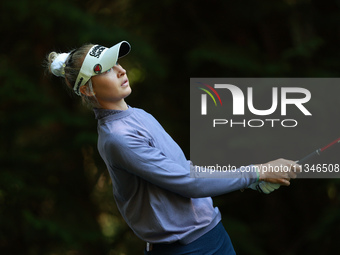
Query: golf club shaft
point(308, 157)
point(317, 152)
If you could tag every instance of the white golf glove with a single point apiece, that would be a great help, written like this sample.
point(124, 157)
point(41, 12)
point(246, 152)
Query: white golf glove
point(264, 187)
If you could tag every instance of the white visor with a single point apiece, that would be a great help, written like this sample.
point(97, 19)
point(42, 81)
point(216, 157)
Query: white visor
point(99, 59)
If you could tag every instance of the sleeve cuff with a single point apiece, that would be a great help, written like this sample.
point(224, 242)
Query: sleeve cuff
point(257, 173)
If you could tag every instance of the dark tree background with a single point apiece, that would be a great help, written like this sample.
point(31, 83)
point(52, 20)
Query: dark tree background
point(55, 192)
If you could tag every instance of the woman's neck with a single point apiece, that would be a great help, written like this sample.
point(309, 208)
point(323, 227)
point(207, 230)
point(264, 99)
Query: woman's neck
point(121, 105)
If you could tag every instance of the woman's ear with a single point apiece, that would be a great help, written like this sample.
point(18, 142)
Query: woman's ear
point(86, 91)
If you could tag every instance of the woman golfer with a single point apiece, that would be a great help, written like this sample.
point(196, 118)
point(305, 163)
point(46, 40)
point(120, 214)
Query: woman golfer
point(164, 206)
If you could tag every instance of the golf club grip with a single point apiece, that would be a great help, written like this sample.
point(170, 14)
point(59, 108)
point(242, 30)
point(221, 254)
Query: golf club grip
point(308, 157)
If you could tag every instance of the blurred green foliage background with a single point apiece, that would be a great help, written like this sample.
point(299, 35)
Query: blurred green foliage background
point(55, 192)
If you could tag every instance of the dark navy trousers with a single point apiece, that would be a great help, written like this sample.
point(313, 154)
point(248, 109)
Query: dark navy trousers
point(215, 242)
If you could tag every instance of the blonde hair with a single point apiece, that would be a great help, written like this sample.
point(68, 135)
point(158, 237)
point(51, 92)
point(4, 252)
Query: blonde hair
point(72, 67)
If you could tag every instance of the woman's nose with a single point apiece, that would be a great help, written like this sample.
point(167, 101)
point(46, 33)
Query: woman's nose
point(121, 71)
